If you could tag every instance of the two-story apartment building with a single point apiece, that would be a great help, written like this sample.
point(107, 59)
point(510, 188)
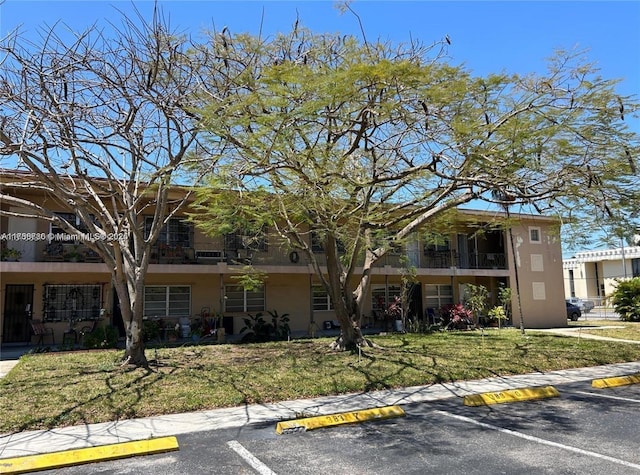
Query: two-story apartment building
point(191, 274)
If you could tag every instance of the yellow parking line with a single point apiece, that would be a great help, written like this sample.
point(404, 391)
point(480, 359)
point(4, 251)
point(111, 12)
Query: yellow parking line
point(33, 463)
point(510, 395)
point(616, 381)
point(310, 423)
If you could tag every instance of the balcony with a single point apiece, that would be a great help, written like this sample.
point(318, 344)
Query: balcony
point(69, 252)
point(472, 260)
point(483, 260)
point(212, 252)
point(438, 259)
point(167, 254)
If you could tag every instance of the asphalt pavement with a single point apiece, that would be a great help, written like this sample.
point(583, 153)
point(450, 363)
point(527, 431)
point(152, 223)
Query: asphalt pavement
point(92, 435)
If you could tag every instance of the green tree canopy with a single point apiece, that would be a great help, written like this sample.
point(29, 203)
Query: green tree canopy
point(365, 142)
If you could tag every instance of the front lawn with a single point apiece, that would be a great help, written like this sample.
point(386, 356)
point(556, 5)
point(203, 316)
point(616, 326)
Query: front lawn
point(623, 330)
point(59, 389)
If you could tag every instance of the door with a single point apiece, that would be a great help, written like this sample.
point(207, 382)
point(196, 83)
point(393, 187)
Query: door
point(414, 297)
point(117, 314)
point(18, 307)
point(27, 248)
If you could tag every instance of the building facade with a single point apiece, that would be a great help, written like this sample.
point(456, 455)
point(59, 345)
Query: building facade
point(592, 275)
point(63, 283)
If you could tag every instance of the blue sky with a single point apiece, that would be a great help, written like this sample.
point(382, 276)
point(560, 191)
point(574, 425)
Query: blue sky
point(487, 36)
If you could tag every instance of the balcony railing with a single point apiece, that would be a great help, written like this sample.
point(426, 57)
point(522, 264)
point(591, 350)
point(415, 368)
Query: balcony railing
point(473, 260)
point(64, 252)
point(438, 259)
point(212, 254)
point(483, 260)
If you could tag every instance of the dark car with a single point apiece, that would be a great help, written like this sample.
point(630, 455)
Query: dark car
point(573, 312)
point(585, 305)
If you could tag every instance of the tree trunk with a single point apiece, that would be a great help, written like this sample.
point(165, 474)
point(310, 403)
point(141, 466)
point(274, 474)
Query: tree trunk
point(350, 337)
point(346, 302)
point(131, 309)
point(134, 353)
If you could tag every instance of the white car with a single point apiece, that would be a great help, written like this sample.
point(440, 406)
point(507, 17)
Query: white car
point(584, 305)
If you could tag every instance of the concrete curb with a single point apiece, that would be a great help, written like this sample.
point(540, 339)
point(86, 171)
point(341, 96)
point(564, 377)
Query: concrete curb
point(317, 422)
point(67, 458)
point(510, 395)
point(616, 381)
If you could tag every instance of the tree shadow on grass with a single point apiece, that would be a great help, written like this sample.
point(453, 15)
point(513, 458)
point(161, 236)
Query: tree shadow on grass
point(77, 412)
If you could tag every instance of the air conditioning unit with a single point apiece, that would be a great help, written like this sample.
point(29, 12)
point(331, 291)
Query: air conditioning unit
point(213, 256)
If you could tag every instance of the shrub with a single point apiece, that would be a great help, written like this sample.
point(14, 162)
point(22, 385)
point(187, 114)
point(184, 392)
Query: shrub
point(477, 299)
point(496, 314)
point(504, 298)
point(457, 317)
point(150, 330)
point(106, 337)
point(258, 329)
point(626, 299)
point(280, 325)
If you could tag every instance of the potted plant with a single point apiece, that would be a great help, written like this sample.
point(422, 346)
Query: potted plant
point(395, 314)
point(11, 254)
point(196, 333)
point(74, 255)
point(172, 335)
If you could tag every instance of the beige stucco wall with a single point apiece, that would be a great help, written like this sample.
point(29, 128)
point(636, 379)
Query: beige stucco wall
point(540, 276)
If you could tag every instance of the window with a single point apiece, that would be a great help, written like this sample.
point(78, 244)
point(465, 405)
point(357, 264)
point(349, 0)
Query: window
point(437, 251)
point(534, 234)
point(167, 300)
point(72, 302)
point(436, 243)
point(383, 296)
point(572, 283)
point(175, 233)
point(245, 240)
point(386, 238)
point(317, 245)
point(438, 295)
point(321, 299)
point(635, 267)
point(239, 299)
point(69, 217)
point(74, 221)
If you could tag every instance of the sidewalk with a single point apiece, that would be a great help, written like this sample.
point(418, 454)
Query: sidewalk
point(91, 435)
point(6, 366)
point(578, 333)
point(9, 357)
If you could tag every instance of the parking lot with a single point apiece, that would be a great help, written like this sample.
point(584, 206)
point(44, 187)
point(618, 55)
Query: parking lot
point(585, 430)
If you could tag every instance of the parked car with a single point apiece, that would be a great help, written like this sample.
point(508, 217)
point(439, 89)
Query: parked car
point(585, 305)
point(573, 312)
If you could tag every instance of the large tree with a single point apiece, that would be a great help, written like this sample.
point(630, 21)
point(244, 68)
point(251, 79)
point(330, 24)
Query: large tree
point(103, 122)
point(363, 143)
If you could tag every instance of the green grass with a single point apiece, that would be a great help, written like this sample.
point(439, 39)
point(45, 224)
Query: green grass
point(624, 330)
point(59, 389)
